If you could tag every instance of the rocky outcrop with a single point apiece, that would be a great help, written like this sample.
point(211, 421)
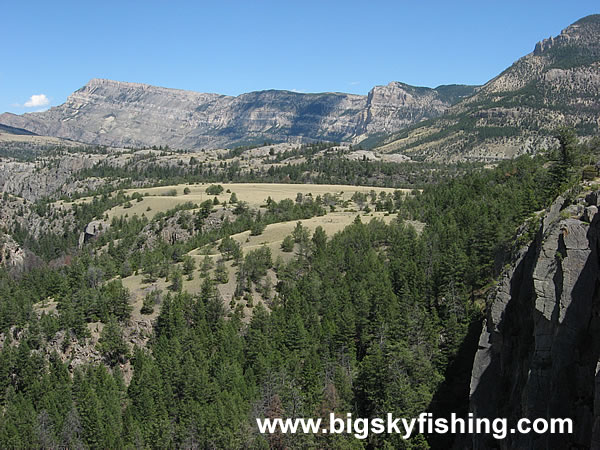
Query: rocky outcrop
point(50, 177)
point(539, 350)
point(180, 227)
point(18, 215)
point(136, 115)
point(15, 258)
point(92, 230)
point(397, 105)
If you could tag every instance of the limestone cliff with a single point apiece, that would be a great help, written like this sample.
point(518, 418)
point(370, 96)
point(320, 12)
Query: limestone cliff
point(539, 350)
point(136, 115)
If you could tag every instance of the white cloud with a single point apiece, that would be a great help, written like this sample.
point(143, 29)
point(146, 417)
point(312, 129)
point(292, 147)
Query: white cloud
point(35, 101)
point(354, 83)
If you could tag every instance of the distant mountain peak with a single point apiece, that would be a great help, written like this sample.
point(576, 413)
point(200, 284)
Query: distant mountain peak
point(514, 113)
point(592, 19)
point(519, 110)
point(582, 36)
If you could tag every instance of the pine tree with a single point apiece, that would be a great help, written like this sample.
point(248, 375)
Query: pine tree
point(221, 273)
point(207, 265)
point(287, 245)
point(111, 343)
point(176, 280)
point(189, 264)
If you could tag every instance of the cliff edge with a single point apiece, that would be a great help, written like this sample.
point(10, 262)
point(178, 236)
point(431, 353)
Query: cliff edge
point(539, 350)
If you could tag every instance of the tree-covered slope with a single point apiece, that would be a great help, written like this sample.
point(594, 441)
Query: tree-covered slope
point(365, 322)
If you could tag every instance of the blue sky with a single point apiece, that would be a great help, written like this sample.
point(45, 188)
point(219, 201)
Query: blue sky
point(51, 48)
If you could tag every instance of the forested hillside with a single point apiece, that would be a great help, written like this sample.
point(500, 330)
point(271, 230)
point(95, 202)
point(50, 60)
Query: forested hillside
point(366, 321)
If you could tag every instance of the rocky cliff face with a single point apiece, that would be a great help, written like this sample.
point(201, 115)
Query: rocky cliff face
point(539, 351)
point(12, 256)
point(519, 110)
point(129, 114)
point(397, 105)
point(43, 178)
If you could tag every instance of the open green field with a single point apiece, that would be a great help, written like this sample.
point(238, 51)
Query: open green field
point(158, 199)
point(161, 199)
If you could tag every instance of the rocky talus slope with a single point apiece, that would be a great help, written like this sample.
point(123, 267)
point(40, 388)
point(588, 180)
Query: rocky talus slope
point(539, 350)
point(136, 115)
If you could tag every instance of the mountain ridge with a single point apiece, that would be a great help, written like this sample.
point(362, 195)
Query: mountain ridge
point(518, 111)
point(118, 113)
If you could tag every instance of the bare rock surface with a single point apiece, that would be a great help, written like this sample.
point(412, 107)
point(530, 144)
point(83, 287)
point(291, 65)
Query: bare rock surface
point(539, 350)
point(118, 114)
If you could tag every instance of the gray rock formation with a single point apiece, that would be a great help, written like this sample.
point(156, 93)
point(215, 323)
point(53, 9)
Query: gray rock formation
point(539, 351)
point(92, 230)
point(42, 178)
point(17, 213)
point(12, 255)
point(135, 115)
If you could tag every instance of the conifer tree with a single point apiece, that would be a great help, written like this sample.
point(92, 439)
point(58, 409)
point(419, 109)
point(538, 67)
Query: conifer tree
point(111, 343)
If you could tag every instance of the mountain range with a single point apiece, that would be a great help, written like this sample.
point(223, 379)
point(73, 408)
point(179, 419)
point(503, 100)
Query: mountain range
point(116, 113)
point(514, 113)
